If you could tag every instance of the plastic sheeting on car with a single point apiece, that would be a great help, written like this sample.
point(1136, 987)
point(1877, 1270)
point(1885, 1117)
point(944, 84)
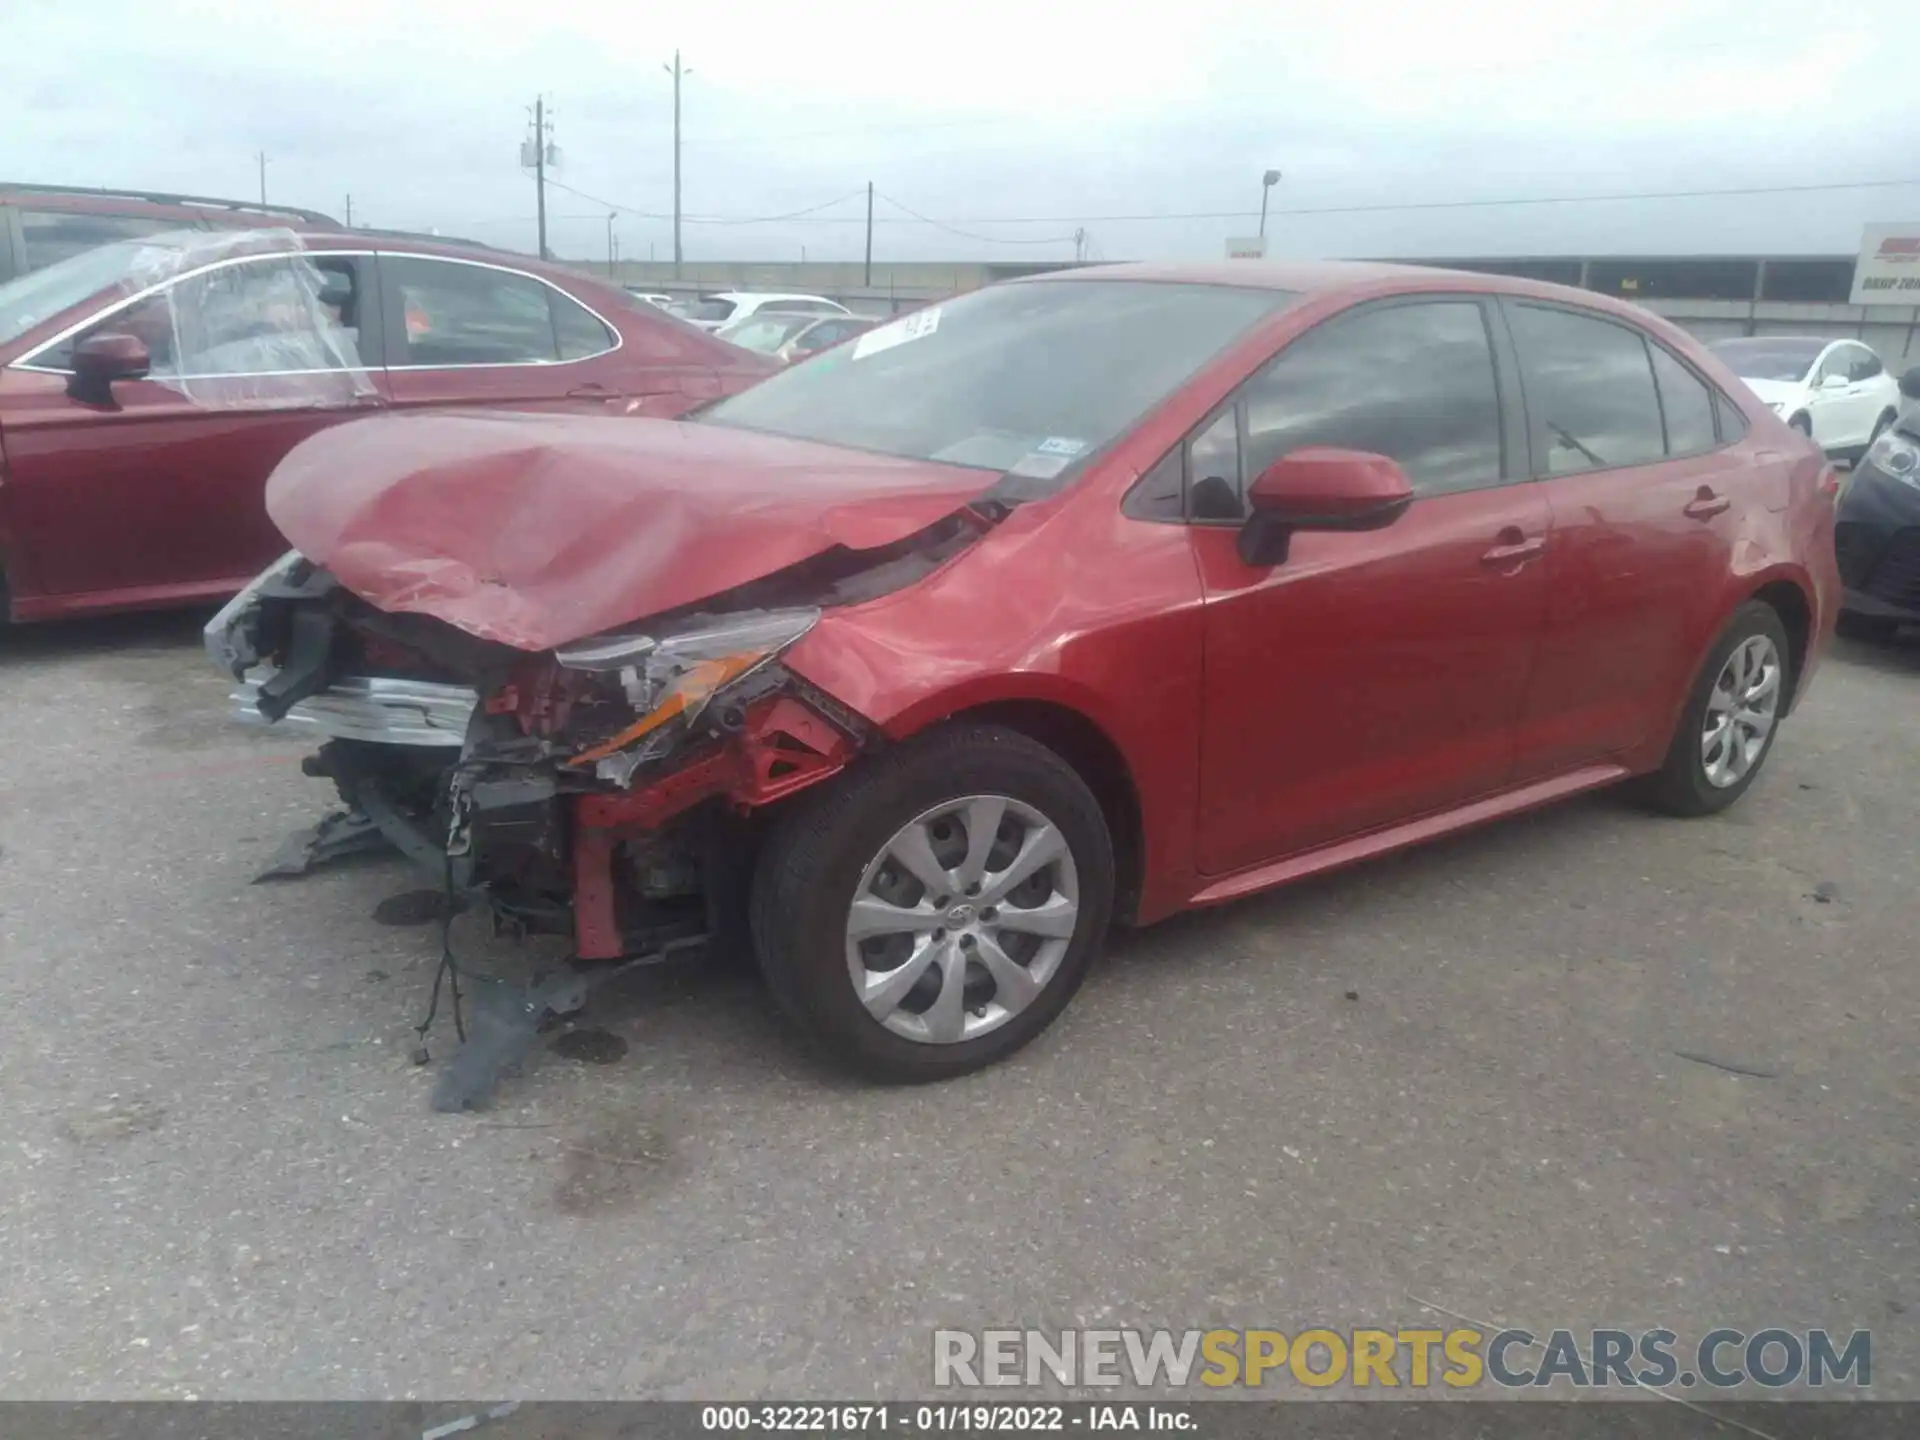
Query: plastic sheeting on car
point(243, 319)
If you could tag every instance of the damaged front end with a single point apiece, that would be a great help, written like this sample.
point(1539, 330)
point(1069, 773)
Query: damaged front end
point(609, 791)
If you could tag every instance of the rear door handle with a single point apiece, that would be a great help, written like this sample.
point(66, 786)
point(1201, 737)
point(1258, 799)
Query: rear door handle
point(592, 391)
point(1706, 505)
point(1514, 549)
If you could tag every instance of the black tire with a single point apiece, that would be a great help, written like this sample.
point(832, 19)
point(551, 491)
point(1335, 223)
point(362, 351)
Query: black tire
point(1865, 627)
point(815, 857)
point(1680, 786)
point(1802, 423)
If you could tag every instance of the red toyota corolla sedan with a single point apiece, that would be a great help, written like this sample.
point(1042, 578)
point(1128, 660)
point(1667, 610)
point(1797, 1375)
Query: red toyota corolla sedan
point(148, 387)
point(1076, 600)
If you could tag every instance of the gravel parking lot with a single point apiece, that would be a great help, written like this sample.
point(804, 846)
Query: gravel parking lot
point(1453, 1078)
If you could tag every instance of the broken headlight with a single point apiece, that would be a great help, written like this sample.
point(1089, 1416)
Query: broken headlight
point(231, 638)
point(672, 676)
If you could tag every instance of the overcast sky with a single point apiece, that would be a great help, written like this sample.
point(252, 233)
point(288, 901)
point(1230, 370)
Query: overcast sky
point(1067, 114)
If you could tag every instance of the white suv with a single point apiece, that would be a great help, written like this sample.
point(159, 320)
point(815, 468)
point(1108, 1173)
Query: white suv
point(710, 312)
point(1834, 391)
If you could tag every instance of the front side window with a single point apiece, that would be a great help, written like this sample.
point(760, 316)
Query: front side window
point(457, 314)
point(276, 315)
point(1686, 404)
point(712, 310)
point(1589, 384)
point(1026, 378)
point(1413, 382)
point(1838, 362)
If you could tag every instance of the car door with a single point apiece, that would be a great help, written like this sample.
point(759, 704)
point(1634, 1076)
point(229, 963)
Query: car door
point(158, 494)
point(1877, 393)
point(1841, 407)
point(1647, 493)
point(472, 333)
point(1373, 676)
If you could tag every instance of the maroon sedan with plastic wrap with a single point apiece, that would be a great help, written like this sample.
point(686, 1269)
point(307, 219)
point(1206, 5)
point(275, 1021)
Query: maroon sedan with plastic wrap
point(1077, 600)
point(148, 387)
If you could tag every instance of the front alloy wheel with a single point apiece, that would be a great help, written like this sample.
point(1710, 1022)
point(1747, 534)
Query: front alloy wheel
point(934, 908)
point(962, 919)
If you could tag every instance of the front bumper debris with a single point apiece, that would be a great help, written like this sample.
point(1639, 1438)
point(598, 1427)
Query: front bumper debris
point(381, 710)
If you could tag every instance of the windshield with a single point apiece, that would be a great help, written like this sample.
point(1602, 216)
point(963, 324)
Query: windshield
point(1769, 359)
point(1023, 377)
point(765, 333)
point(39, 295)
point(711, 308)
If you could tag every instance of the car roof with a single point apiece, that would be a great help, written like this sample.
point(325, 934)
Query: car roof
point(84, 200)
point(1356, 278)
point(765, 295)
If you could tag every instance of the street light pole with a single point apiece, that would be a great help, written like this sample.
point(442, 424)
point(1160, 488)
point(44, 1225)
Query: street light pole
point(676, 71)
point(612, 215)
point(1267, 182)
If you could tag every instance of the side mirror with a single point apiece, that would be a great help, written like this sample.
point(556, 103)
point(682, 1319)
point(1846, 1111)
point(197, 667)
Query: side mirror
point(99, 360)
point(1835, 382)
point(1320, 488)
point(1910, 383)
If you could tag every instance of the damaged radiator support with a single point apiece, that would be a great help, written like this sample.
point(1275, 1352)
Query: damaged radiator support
point(780, 746)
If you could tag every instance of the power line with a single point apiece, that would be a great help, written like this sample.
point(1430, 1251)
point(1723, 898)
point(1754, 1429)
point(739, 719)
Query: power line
point(1434, 204)
point(810, 214)
point(717, 219)
point(969, 235)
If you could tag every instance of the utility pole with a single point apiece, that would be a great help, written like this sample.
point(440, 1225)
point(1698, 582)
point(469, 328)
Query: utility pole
point(867, 283)
point(263, 177)
point(612, 215)
point(349, 212)
point(676, 71)
point(1079, 245)
point(540, 167)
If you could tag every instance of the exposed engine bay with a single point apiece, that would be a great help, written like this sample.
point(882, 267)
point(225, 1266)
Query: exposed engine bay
point(609, 791)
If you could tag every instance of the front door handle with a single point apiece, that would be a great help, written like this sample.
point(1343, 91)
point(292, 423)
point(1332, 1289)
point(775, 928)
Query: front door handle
point(1514, 548)
point(592, 391)
point(1705, 505)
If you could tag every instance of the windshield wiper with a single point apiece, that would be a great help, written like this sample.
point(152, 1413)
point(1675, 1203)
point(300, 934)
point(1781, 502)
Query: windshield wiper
point(1566, 438)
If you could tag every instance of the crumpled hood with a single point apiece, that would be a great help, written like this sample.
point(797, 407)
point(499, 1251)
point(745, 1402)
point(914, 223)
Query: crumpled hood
point(1775, 392)
point(535, 530)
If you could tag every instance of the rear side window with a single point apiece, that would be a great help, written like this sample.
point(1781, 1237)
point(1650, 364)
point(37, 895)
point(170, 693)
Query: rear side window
point(1590, 388)
point(50, 235)
point(456, 314)
point(1686, 404)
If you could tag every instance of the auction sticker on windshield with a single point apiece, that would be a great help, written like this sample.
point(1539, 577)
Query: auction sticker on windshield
point(916, 326)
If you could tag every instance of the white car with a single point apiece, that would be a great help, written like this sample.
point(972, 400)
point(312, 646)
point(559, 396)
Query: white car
point(1835, 391)
point(652, 297)
point(710, 312)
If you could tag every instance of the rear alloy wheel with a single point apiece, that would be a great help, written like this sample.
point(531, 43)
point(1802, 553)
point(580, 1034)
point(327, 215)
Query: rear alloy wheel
point(935, 911)
point(1731, 717)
